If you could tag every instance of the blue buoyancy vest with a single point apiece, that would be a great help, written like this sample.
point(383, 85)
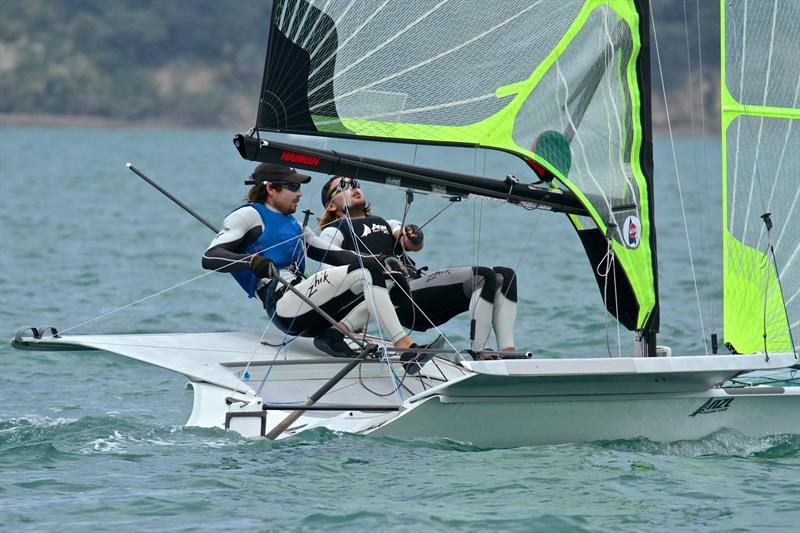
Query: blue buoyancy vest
point(281, 242)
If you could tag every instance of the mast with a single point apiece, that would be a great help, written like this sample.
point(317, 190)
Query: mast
point(647, 336)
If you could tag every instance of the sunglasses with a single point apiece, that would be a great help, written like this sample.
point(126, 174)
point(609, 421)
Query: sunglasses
point(294, 187)
point(344, 184)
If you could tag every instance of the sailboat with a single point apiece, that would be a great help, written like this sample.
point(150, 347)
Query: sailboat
point(537, 105)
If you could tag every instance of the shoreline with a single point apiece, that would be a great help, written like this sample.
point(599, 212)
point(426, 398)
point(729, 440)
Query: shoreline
point(91, 121)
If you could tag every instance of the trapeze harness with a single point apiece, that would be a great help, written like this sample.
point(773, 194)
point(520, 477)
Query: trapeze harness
point(347, 292)
point(489, 294)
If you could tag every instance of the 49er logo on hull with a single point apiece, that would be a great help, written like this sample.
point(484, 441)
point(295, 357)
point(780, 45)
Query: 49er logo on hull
point(713, 406)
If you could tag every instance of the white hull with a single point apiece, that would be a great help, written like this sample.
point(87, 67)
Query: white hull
point(496, 423)
point(489, 404)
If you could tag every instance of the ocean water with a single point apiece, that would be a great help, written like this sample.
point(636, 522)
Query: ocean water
point(92, 441)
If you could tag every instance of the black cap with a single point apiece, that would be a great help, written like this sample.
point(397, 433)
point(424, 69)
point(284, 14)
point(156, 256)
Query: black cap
point(266, 172)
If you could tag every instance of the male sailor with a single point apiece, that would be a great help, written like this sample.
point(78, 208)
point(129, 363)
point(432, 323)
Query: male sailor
point(424, 301)
point(261, 239)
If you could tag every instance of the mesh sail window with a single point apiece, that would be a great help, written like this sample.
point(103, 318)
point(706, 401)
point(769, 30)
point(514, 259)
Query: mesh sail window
point(557, 83)
point(761, 174)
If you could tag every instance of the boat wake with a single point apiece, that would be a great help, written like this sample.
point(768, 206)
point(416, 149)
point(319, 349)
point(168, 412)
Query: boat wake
point(42, 438)
point(726, 442)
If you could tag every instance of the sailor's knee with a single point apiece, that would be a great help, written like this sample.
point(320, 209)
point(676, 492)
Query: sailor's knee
point(369, 273)
point(483, 278)
point(506, 281)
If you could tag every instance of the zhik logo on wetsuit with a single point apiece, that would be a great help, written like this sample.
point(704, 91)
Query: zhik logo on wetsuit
point(321, 278)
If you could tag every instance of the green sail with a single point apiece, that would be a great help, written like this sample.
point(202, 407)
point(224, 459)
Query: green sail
point(761, 174)
point(555, 83)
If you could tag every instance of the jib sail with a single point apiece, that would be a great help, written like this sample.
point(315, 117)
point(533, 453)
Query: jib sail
point(760, 162)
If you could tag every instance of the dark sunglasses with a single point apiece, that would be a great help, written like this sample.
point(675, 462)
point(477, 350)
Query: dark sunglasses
point(344, 184)
point(294, 187)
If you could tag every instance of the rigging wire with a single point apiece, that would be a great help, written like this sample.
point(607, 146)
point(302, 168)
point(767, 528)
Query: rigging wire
point(678, 179)
point(770, 250)
point(158, 293)
point(368, 286)
point(284, 343)
point(442, 210)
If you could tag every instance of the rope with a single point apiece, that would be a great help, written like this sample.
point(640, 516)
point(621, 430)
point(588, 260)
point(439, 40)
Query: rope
point(609, 260)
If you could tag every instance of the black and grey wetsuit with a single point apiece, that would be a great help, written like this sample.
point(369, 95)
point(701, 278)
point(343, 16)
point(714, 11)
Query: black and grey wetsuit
point(489, 294)
point(347, 291)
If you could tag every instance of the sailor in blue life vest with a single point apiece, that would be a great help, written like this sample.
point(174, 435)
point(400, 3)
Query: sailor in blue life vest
point(422, 300)
point(261, 239)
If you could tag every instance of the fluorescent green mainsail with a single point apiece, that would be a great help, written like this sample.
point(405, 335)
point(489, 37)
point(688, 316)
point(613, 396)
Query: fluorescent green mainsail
point(515, 76)
point(761, 173)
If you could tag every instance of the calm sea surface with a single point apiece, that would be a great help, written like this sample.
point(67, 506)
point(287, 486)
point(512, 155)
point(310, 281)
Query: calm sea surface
point(93, 441)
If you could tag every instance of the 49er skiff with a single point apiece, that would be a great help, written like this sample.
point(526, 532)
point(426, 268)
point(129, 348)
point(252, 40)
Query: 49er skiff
point(549, 103)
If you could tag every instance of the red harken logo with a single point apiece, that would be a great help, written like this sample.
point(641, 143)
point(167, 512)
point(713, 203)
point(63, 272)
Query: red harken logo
point(300, 159)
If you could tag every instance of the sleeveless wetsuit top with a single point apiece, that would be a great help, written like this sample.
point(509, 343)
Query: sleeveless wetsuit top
point(281, 241)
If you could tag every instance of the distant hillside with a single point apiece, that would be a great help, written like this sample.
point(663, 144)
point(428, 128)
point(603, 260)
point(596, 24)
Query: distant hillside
point(679, 23)
point(188, 62)
point(199, 62)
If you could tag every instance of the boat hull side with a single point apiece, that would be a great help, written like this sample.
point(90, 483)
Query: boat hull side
point(505, 423)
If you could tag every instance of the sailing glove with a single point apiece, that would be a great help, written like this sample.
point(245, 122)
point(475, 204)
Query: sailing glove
point(413, 229)
point(262, 267)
